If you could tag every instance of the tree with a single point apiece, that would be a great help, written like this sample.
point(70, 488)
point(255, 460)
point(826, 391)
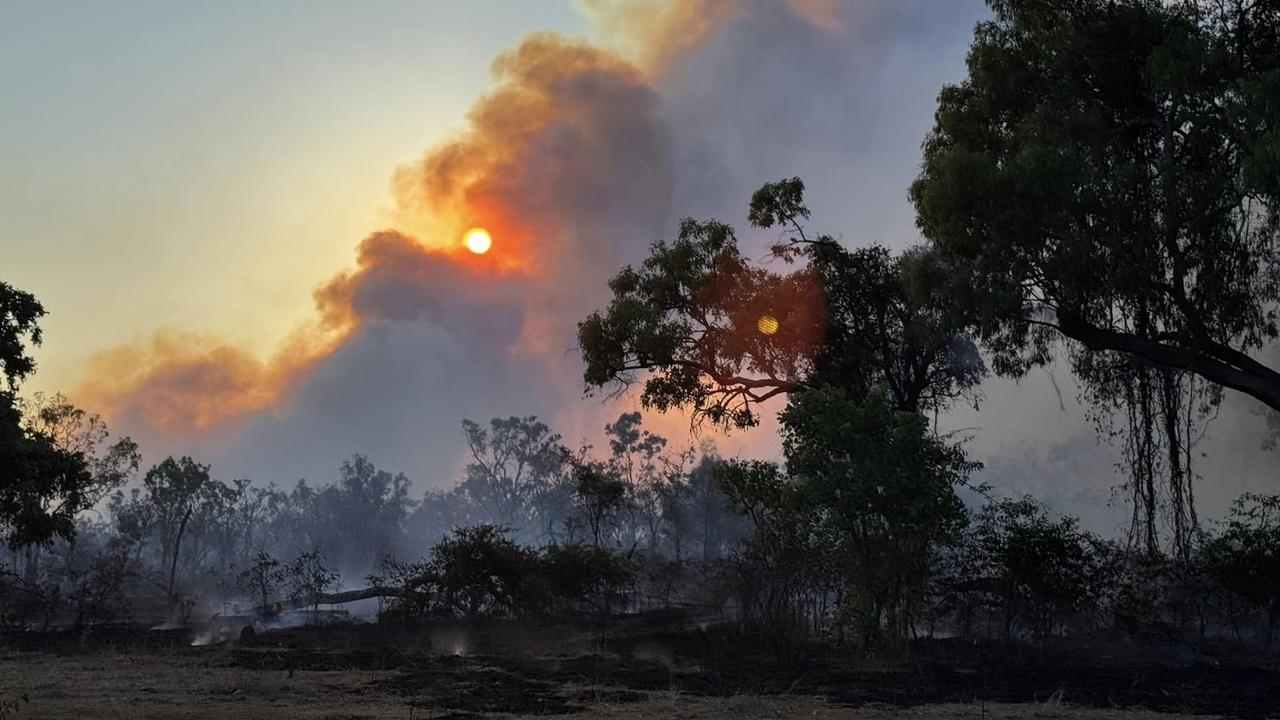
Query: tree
point(25, 459)
point(1035, 568)
point(1109, 172)
point(43, 487)
point(881, 486)
point(478, 569)
point(370, 507)
point(1247, 556)
point(636, 458)
point(77, 431)
point(879, 337)
point(412, 584)
point(578, 576)
point(514, 460)
point(20, 315)
point(262, 577)
point(718, 335)
point(600, 494)
point(50, 458)
point(178, 489)
point(783, 564)
point(309, 579)
point(697, 504)
point(100, 595)
point(81, 468)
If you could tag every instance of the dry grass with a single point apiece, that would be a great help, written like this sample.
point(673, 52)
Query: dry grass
point(189, 686)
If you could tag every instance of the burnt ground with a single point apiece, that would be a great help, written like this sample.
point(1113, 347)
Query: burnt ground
point(518, 667)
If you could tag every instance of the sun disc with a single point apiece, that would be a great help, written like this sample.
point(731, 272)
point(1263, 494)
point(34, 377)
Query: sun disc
point(767, 325)
point(478, 240)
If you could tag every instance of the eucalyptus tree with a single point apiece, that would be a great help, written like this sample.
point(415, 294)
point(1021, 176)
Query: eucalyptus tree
point(55, 459)
point(703, 328)
point(514, 461)
point(1108, 174)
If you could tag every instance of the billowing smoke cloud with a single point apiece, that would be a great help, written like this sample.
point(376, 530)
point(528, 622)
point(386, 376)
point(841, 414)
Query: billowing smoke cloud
point(182, 384)
point(568, 165)
point(579, 157)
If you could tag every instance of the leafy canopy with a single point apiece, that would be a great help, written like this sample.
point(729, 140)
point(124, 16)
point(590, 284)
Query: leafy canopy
point(711, 332)
point(55, 460)
point(1109, 171)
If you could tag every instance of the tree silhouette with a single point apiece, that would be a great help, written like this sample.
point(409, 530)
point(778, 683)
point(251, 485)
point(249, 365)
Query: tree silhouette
point(50, 463)
point(514, 461)
point(1109, 172)
point(718, 335)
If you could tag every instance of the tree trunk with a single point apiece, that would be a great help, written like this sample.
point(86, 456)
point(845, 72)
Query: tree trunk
point(31, 571)
point(177, 545)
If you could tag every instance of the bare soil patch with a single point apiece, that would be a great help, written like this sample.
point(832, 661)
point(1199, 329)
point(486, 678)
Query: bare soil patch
point(435, 671)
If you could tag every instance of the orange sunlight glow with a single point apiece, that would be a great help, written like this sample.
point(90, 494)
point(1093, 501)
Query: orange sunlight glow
point(767, 325)
point(478, 240)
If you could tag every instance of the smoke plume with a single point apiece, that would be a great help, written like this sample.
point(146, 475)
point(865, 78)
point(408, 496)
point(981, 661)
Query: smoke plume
point(580, 155)
point(565, 162)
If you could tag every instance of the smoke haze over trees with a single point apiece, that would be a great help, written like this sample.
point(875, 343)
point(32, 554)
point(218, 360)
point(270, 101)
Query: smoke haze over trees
point(1096, 192)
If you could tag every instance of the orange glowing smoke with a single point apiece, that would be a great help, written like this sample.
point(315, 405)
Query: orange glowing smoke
point(540, 155)
point(541, 150)
point(658, 34)
point(180, 383)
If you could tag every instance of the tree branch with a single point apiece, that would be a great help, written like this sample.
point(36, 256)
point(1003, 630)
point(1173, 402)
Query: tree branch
point(1253, 379)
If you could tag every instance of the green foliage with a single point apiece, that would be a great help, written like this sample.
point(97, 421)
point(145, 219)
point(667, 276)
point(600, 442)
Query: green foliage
point(867, 498)
point(514, 462)
point(262, 578)
point(44, 487)
point(20, 315)
point(599, 495)
point(580, 577)
point(53, 456)
point(478, 570)
point(309, 577)
point(689, 313)
point(1032, 568)
point(882, 488)
point(1246, 556)
point(691, 317)
point(70, 466)
point(1107, 172)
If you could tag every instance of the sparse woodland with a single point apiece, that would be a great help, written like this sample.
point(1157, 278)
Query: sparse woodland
point(1102, 187)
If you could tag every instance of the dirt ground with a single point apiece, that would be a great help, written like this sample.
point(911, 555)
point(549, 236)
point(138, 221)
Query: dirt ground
point(519, 671)
point(185, 685)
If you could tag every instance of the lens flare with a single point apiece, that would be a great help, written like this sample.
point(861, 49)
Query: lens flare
point(767, 324)
point(477, 240)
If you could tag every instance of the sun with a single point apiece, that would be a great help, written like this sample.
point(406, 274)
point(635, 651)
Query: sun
point(767, 325)
point(477, 240)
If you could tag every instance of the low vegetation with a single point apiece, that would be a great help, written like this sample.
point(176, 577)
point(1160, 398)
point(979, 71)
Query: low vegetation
point(1100, 187)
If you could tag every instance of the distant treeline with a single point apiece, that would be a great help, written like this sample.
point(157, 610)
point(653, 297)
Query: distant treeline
point(1100, 189)
point(870, 560)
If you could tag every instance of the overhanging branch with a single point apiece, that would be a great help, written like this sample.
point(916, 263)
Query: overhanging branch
point(1254, 379)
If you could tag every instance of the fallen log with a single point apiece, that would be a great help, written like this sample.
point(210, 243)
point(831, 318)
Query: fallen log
point(338, 598)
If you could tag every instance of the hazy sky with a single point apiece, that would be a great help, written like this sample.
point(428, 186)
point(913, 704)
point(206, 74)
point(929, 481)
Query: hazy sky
point(204, 166)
